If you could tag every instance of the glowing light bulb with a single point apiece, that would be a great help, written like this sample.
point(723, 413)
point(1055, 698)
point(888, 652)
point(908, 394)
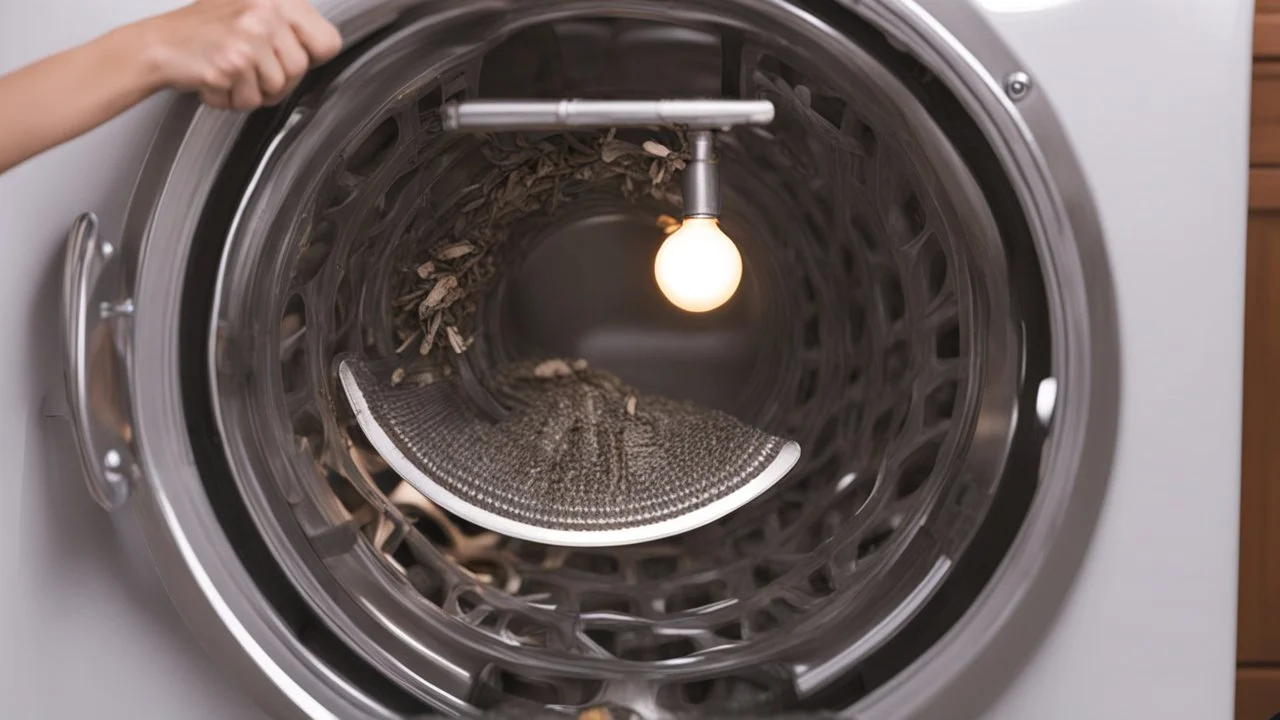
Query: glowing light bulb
point(698, 268)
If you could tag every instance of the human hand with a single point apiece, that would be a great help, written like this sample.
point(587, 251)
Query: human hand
point(238, 54)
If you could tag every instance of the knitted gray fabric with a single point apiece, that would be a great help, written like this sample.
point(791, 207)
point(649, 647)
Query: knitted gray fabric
point(579, 452)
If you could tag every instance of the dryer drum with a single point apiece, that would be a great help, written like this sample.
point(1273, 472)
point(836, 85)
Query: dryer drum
point(893, 319)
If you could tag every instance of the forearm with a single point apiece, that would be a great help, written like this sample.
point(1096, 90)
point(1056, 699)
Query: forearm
point(68, 94)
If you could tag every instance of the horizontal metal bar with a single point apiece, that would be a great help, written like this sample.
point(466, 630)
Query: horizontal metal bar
point(514, 115)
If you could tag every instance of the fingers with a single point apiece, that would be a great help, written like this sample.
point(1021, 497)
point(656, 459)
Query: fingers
point(246, 94)
point(272, 79)
point(278, 63)
point(242, 54)
point(318, 36)
point(302, 40)
point(293, 61)
point(216, 98)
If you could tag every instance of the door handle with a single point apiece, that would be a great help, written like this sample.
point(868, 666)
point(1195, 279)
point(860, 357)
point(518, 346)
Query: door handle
point(98, 324)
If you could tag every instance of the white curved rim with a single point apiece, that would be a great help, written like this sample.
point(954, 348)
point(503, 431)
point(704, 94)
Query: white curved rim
point(410, 473)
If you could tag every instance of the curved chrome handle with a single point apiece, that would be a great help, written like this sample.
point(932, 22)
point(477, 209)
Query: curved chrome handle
point(97, 320)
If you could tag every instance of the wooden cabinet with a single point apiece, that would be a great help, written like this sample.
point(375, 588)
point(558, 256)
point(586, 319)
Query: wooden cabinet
point(1259, 637)
point(1258, 649)
point(1264, 147)
point(1266, 29)
point(1257, 693)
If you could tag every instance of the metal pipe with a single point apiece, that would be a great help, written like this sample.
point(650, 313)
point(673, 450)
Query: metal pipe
point(515, 115)
point(702, 176)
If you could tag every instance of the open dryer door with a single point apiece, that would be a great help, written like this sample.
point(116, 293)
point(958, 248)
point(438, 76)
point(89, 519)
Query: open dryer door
point(926, 307)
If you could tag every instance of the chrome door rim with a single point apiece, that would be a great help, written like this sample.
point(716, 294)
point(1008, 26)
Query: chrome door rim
point(1040, 563)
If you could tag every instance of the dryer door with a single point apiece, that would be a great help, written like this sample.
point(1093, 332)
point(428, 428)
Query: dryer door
point(915, 311)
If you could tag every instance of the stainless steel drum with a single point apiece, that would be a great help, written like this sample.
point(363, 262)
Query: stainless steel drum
point(925, 308)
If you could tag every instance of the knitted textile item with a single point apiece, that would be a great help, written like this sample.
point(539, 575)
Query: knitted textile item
point(581, 459)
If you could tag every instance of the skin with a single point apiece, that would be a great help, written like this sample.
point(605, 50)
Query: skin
point(236, 54)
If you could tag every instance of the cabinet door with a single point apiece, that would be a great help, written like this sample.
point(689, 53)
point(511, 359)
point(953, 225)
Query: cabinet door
point(1259, 639)
point(1258, 648)
point(1266, 29)
point(1265, 116)
point(1257, 694)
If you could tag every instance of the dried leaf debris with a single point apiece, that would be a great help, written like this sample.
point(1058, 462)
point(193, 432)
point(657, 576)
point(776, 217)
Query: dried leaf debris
point(455, 261)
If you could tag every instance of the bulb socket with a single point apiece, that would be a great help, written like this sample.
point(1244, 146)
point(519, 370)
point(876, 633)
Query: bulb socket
point(702, 176)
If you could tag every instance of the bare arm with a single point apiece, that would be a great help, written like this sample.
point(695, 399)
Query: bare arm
point(59, 98)
point(238, 54)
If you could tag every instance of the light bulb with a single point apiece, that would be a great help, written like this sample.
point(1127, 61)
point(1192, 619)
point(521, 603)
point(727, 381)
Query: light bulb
point(698, 267)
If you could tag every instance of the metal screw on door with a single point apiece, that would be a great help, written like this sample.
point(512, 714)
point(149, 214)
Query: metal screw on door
point(1017, 85)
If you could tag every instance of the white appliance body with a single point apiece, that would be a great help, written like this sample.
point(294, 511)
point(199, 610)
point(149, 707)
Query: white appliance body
point(1154, 99)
